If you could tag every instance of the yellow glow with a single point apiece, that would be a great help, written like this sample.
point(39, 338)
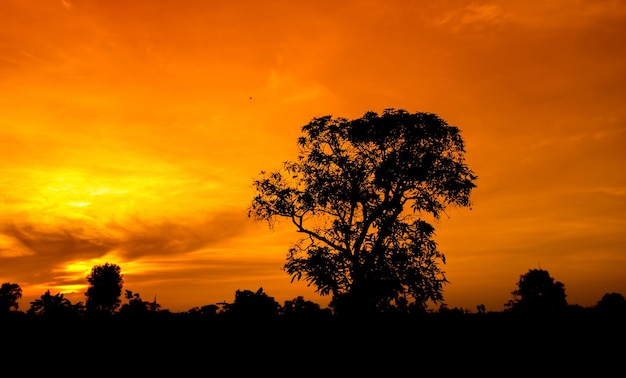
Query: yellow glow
point(79, 203)
point(68, 289)
point(82, 268)
point(9, 247)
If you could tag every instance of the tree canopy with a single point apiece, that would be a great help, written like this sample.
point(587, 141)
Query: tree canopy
point(614, 303)
point(538, 293)
point(54, 306)
point(249, 304)
point(364, 193)
point(10, 293)
point(105, 288)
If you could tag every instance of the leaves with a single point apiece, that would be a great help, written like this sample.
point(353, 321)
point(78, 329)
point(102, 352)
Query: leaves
point(103, 294)
point(358, 191)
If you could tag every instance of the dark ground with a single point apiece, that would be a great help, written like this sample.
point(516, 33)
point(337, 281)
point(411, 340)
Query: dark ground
point(477, 344)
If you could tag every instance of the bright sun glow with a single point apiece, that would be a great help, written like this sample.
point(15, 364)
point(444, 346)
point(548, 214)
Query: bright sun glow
point(93, 196)
point(69, 194)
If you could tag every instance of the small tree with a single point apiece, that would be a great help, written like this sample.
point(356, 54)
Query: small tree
point(10, 293)
point(252, 305)
point(206, 311)
point(359, 192)
point(54, 306)
point(299, 308)
point(538, 293)
point(105, 289)
point(135, 306)
point(480, 308)
point(612, 303)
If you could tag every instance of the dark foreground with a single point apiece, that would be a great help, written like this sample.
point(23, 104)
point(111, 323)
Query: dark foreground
point(478, 344)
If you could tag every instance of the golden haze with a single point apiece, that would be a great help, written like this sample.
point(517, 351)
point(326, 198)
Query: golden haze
point(131, 132)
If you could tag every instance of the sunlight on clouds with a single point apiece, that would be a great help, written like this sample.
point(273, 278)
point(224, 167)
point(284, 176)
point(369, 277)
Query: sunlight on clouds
point(10, 247)
point(79, 203)
point(53, 194)
point(472, 16)
point(84, 266)
point(540, 15)
point(69, 193)
point(77, 271)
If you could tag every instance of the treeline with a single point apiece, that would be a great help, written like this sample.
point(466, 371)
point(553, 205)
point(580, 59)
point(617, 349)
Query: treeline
point(537, 332)
point(537, 294)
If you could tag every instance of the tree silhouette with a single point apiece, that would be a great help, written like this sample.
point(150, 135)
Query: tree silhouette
point(612, 303)
point(538, 293)
point(54, 306)
point(300, 308)
point(135, 307)
point(252, 305)
point(10, 293)
point(153, 306)
point(103, 294)
point(206, 311)
point(359, 191)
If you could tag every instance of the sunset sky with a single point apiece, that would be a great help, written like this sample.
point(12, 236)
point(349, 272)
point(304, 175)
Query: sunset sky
point(131, 133)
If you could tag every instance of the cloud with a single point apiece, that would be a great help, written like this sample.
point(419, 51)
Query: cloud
point(482, 16)
point(135, 238)
point(43, 254)
point(44, 240)
point(471, 17)
point(141, 238)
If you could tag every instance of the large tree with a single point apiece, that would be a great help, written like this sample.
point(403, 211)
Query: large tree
point(105, 289)
point(365, 193)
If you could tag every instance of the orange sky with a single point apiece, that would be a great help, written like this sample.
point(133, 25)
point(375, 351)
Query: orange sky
point(128, 135)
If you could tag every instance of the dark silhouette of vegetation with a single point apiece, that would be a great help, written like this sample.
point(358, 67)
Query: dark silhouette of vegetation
point(360, 191)
point(302, 309)
point(135, 306)
point(255, 329)
point(207, 311)
point(612, 303)
point(252, 305)
point(364, 193)
point(55, 306)
point(105, 288)
point(538, 293)
point(10, 293)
